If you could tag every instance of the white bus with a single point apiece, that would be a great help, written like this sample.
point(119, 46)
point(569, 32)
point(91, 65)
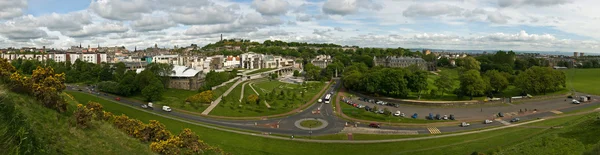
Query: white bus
point(327, 98)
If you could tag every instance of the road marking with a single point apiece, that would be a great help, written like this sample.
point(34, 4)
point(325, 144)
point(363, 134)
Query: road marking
point(502, 121)
point(434, 130)
point(556, 112)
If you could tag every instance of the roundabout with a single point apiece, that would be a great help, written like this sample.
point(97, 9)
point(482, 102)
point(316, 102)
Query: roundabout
point(311, 124)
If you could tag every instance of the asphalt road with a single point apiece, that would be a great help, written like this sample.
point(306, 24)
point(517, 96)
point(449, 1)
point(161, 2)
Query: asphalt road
point(335, 124)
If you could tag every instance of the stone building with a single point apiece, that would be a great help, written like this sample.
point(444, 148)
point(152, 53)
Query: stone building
point(183, 77)
point(400, 62)
point(251, 60)
point(322, 61)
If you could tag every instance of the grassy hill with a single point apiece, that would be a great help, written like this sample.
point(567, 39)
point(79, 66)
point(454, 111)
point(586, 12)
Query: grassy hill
point(26, 127)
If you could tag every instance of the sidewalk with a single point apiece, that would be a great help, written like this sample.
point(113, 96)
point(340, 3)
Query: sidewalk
point(216, 102)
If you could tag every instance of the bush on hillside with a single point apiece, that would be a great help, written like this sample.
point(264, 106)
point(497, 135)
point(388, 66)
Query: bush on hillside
point(83, 116)
point(153, 132)
point(96, 109)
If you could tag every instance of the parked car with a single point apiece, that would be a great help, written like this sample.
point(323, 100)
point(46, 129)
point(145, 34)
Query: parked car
point(397, 113)
point(375, 125)
point(380, 111)
point(355, 105)
point(402, 115)
point(320, 100)
point(500, 114)
point(445, 117)
point(118, 99)
point(367, 108)
point(438, 117)
point(451, 117)
point(464, 124)
point(361, 106)
point(415, 116)
point(487, 121)
point(576, 102)
point(396, 105)
point(430, 117)
point(144, 106)
point(105, 94)
point(150, 105)
point(166, 108)
point(515, 120)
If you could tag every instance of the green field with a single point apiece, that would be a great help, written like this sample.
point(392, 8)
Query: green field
point(54, 133)
point(175, 98)
point(219, 91)
point(311, 123)
point(231, 105)
point(245, 144)
point(584, 80)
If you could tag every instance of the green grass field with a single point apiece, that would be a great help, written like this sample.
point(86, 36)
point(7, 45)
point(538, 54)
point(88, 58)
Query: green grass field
point(56, 134)
point(219, 91)
point(584, 80)
point(245, 144)
point(175, 98)
point(231, 106)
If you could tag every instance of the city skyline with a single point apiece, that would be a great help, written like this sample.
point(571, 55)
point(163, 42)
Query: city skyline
point(522, 25)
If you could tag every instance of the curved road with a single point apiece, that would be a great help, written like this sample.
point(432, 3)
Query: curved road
point(286, 125)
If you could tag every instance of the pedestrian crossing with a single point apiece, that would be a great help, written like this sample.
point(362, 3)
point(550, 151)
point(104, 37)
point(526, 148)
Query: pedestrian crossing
point(434, 130)
point(556, 112)
point(502, 121)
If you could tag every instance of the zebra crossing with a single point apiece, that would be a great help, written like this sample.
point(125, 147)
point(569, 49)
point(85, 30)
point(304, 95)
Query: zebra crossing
point(556, 111)
point(502, 121)
point(434, 130)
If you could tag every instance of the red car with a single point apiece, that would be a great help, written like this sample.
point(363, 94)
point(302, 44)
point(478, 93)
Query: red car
point(354, 105)
point(375, 125)
point(118, 99)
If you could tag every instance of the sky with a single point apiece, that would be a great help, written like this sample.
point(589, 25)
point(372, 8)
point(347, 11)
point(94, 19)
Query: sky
point(522, 25)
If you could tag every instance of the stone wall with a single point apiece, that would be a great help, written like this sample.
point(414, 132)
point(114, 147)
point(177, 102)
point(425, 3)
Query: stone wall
point(185, 83)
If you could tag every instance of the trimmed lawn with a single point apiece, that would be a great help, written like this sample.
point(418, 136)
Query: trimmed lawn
point(245, 144)
point(230, 105)
point(175, 98)
point(584, 80)
point(219, 91)
point(311, 123)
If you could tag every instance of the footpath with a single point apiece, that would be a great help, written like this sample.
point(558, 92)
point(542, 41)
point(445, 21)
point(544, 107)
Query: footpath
point(216, 102)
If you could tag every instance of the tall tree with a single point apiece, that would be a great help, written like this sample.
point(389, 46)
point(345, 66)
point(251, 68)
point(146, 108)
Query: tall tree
point(470, 63)
point(472, 84)
point(444, 83)
point(418, 82)
point(154, 90)
point(498, 82)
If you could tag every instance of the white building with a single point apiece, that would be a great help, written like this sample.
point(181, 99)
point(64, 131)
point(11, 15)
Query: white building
point(232, 62)
point(166, 59)
point(321, 61)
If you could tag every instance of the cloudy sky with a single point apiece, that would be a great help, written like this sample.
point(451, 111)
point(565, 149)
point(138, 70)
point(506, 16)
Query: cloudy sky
point(548, 25)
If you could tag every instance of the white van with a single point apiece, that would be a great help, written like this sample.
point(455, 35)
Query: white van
point(166, 108)
point(150, 105)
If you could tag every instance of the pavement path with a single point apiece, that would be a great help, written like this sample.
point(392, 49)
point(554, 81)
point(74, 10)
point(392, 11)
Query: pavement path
point(218, 100)
point(242, 92)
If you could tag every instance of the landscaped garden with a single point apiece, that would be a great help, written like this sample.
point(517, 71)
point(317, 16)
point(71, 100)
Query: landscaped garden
point(280, 97)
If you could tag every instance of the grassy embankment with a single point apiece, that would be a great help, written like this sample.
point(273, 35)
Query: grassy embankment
point(26, 127)
point(245, 144)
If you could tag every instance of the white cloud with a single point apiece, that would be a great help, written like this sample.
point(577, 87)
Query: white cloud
point(12, 8)
point(539, 3)
point(215, 14)
point(270, 7)
point(120, 9)
point(432, 9)
point(16, 32)
point(97, 30)
point(151, 23)
point(346, 7)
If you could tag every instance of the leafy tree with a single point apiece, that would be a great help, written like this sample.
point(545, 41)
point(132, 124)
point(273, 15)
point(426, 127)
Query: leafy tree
point(296, 73)
point(469, 63)
point(540, 80)
point(6, 69)
point(46, 87)
point(418, 82)
point(498, 82)
point(472, 84)
point(444, 83)
point(153, 92)
point(312, 72)
point(119, 72)
point(127, 85)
